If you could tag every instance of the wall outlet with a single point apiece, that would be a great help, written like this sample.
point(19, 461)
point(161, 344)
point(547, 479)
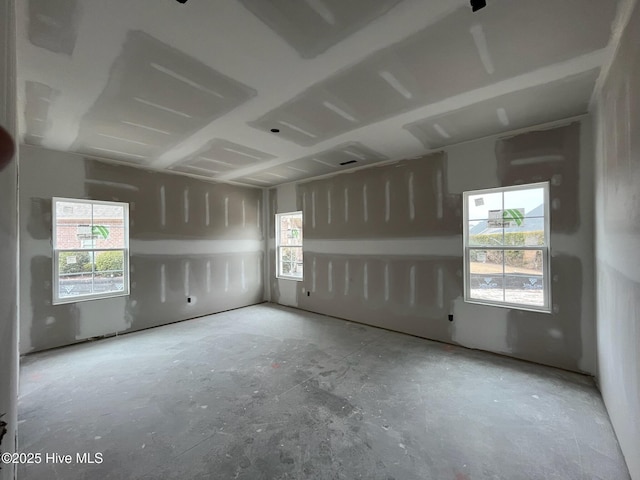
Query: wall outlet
point(451, 317)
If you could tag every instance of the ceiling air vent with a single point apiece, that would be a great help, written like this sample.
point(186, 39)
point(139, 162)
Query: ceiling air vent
point(348, 162)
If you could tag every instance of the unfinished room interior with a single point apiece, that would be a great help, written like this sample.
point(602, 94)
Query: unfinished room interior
point(320, 239)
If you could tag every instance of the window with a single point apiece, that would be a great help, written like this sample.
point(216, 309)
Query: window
point(289, 245)
point(90, 250)
point(506, 247)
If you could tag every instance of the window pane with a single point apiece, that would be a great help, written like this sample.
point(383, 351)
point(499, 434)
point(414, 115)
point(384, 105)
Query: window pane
point(524, 279)
point(481, 235)
point(87, 226)
point(286, 268)
point(526, 262)
point(107, 235)
point(529, 201)
point(291, 261)
point(73, 224)
point(291, 229)
point(103, 212)
point(75, 274)
point(529, 234)
point(87, 243)
point(521, 221)
point(478, 206)
point(291, 269)
point(108, 229)
point(486, 275)
point(523, 296)
point(292, 254)
point(483, 210)
point(109, 272)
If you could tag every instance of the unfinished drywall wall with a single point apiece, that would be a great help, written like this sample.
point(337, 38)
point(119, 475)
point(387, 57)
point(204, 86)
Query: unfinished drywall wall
point(383, 245)
point(617, 121)
point(188, 239)
point(8, 242)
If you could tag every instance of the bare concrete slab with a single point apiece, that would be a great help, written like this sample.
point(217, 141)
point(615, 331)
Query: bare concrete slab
point(268, 392)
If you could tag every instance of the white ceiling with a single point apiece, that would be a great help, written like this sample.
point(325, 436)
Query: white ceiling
point(196, 88)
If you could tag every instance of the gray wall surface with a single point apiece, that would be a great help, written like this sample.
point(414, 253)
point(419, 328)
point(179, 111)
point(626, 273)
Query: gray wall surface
point(8, 239)
point(383, 245)
point(617, 121)
point(188, 238)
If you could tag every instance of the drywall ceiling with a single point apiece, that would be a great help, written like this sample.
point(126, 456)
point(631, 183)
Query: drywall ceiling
point(197, 88)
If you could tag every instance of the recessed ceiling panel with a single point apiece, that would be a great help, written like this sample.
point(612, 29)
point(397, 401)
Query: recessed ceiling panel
point(233, 153)
point(460, 53)
point(257, 180)
point(195, 170)
point(313, 26)
point(155, 97)
point(340, 158)
point(350, 153)
point(206, 163)
point(53, 24)
point(221, 156)
point(121, 145)
point(36, 112)
point(553, 101)
point(534, 34)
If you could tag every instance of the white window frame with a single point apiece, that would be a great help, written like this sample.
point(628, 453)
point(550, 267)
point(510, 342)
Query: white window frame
point(279, 248)
point(546, 249)
point(56, 253)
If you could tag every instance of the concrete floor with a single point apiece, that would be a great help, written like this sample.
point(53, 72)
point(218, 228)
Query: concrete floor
point(267, 392)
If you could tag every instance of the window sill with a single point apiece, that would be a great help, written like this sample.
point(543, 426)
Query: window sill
point(510, 306)
point(295, 279)
point(86, 298)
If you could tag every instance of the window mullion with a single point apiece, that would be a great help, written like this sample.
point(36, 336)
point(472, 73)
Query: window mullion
point(504, 273)
point(93, 257)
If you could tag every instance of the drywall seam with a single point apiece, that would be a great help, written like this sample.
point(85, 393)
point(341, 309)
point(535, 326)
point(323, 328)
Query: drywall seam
point(623, 16)
point(588, 363)
point(269, 245)
point(196, 247)
point(444, 246)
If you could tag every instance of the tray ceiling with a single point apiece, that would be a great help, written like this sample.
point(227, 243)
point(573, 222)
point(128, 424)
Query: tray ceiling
point(198, 88)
